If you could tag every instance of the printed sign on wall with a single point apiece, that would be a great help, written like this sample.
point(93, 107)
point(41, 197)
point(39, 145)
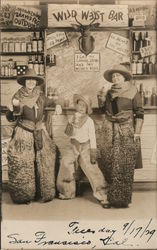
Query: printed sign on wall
point(55, 38)
point(6, 14)
point(27, 17)
point(119, 44)
point(87, 63)
point(105, 15)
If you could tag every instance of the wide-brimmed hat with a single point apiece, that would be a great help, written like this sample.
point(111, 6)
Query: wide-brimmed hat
point(118, 69)
point(30, 74)
point(85, 99)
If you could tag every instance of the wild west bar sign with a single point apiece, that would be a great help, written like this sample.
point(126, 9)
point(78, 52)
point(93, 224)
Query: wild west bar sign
point(106, 15)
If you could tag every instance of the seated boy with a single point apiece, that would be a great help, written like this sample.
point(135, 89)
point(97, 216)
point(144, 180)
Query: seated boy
point(81, 131)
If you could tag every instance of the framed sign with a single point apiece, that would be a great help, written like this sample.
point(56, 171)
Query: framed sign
point(105, 15)
point(118, 43)
point(85, 63)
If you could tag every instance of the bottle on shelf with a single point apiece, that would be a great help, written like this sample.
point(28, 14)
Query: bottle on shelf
point(5, 47)
point(140, 40)
point(23, 45)
point(30, 63)
point(147, 65)
point(147, 97)
point(151, 66)
point(14, 69)
point(134, 65)
point(17, 45)
point(34, 43)
point(40, 42)
point(142, 93)
point(11, 47)
point(28, 44)
point(41, 66)
point(36, 65)
point(153, 97)
point(137, 41)
point(139, 67)
point(2, 69)
point(147, 40)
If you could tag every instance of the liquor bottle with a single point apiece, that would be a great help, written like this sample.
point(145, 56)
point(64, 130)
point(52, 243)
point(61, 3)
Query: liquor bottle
point(41, 66)
point(140, 40)
point(147, 97)
point(137, 40)
point(14, 69)
point(36, 65)
point(142, 93)
point(155, 67)
point(147, 40)
point(133, 67)
point(143, 38)
point(133, 42)
point(150, 66)
point(30, 63)
point(34, 43)
point(153, 97)
point(139, 67)
point(147, 66)
point(40, 42)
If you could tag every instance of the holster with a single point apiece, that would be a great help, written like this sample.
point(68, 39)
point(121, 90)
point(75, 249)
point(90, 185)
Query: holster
point(138, 125)
point(69, 129)
point(38, 139)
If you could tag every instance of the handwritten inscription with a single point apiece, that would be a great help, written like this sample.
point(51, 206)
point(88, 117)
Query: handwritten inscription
point(105, 236)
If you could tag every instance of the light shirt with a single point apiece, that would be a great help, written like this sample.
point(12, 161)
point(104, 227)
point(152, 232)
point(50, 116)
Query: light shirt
point(86, 133)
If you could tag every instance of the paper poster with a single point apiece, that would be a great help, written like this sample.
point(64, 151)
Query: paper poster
point(119, 44)
point(55, 38)
point(87, 63)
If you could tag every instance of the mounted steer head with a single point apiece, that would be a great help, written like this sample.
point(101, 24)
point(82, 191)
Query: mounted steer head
point(86, 41)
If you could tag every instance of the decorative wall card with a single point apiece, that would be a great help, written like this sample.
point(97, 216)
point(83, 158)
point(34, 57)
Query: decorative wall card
point(106, 15)
point(55, 38)
point(118, 43)
point(27, 17)
point(87, 63)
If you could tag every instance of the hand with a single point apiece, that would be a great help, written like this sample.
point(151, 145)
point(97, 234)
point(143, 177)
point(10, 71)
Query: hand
point(93, 156)
point(10, 107)
point(58, 110)
point(136, 137)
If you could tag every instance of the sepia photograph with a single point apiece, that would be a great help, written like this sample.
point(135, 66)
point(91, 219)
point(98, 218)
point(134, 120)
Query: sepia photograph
point(78, 88)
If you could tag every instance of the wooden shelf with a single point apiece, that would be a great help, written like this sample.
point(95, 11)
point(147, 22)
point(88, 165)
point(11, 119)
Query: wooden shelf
point(143, 76)
point(8, 77)
point(20, 53)
point(12, 77)
point(16, 29)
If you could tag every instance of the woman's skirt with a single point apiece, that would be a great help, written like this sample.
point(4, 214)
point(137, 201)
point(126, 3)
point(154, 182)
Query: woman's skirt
point(31, 173)
point(117, 160)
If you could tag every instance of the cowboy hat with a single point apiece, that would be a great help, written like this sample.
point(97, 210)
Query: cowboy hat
point(30, 74)
point(85, 99)
point(118, 69)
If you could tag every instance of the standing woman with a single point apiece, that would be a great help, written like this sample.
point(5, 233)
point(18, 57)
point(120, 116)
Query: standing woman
point(31, 152)
point(119, 138)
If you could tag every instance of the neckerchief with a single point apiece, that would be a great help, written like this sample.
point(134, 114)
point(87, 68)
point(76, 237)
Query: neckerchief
point(126, 90)
point(28, 99)
point(79, 119)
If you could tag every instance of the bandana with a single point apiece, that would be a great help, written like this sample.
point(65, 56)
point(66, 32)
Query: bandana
point(126, 90)
point(28, 99)
point(79, 119)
